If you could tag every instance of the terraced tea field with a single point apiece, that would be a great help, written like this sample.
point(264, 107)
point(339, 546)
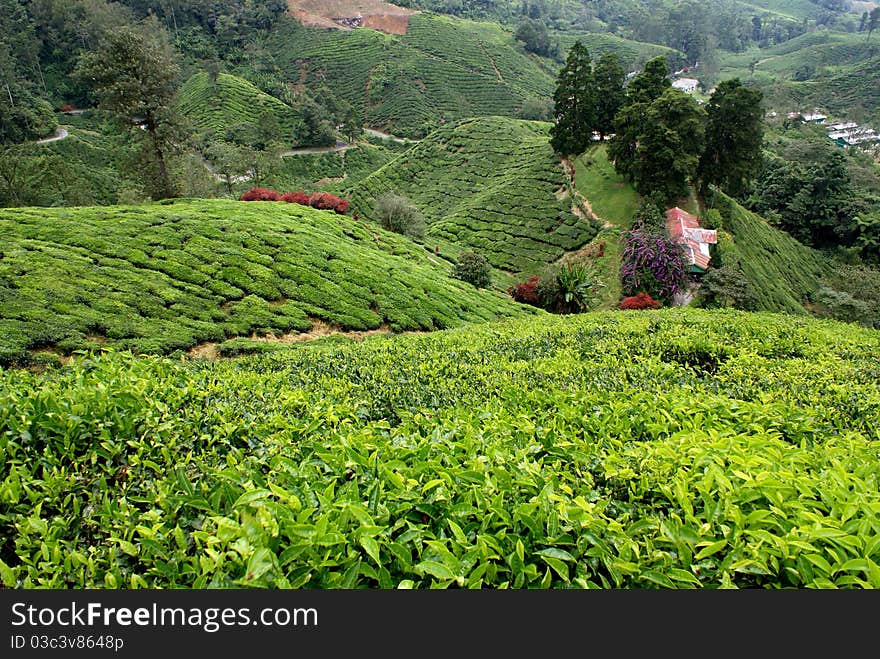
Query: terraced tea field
point(669, 449)
point(216, 107)
point(166, 277)
point(442, 67)
point(491, 184)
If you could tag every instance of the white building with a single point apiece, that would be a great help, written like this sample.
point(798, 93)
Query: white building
point(687, 85)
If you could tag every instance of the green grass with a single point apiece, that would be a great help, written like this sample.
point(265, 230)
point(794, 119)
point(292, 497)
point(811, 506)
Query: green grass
point(486, 184)
point(214, 108)
point(670, 449)
point(161, 278)
point(610, 195)
point(443, 67)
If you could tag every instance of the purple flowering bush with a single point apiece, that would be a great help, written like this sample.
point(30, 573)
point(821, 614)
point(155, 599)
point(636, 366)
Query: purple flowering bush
point(653, 264)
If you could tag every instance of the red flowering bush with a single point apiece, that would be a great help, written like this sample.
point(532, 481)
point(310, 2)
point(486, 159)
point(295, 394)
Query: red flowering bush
point(640, 301)
point(319, 200)
point(526, 292)
point(260, 194)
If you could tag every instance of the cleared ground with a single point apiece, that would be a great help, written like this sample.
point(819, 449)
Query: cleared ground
point(375, 14)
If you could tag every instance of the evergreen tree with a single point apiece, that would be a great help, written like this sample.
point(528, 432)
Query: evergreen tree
point(574, 104)
point(650, 84)
point(734, 135)
point(670, 142)
point(610, 92)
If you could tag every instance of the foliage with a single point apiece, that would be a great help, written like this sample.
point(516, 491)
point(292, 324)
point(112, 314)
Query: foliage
point(487, 185)
point(650, 216)
point(575, 104)
point(473, 268)
point(133, 74)
point(638, 302)
point(726, 286)
point(668, 146)
point(396, 213)
point(840, 305)
point(161, 278)
point(232, 104)
point(570, 288)
point(734, 135)
point(318, 200)
point(526, 292)
point(610, 94)
point(534, 36)
point(675, 449)
point(652, 263)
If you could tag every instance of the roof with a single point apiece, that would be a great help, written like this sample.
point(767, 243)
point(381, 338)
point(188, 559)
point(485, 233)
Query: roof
point(684, 228)
point(686, 83)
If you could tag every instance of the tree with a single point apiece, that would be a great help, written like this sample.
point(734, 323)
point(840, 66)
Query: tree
point(473, 268)
point(650, 84)
point(610, 92)
point(534, 35)
point(396, 213)
point(133, 74)
point(873, 21)
point(734, 135)
point(574, 104)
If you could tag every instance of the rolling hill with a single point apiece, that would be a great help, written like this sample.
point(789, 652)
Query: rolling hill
point(215, 107)
point(492, 185)
point(166, 277)
point(442, 67)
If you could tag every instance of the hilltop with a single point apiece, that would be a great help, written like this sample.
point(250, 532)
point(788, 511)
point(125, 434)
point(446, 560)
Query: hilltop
point(216, 106)
point(167, 277)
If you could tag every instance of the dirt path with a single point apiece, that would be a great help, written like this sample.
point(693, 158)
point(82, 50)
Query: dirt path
point(340, 146)
point(492, 62)
point(60, 134)
point(388, 136)
point(319, 330)
point(581, 202)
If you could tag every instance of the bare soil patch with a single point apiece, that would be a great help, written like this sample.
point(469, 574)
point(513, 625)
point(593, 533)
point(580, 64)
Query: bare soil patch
point(343, 14)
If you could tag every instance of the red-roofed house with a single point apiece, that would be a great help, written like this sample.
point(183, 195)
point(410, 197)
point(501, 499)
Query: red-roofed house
point(685, 229)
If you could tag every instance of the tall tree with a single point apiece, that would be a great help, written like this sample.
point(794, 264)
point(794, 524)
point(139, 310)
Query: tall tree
point(650, 84)
point(133, 75)
point(669, 145)
point(574, 103)
point(734, 135)
point(610, 94)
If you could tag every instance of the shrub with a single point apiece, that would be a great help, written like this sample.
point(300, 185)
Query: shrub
point(570, 289)
point(396, 213)
point(652, 263)
point(260, 194)
point(649, 216)
point(526, 292)
point(473, 268)
point(726, 286)
point(842, 306)
point(640, 301)
point(342, 206)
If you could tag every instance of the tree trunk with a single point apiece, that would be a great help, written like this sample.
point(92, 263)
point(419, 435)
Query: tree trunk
point(164, 182)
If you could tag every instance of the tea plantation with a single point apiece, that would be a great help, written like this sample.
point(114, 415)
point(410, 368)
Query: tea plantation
point(166, 277)
point(492, 185)
point(214, 107)
point(442, 67)
point(669, 449)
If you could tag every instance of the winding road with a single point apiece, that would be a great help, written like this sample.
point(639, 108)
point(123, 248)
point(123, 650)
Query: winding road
point(60, 134)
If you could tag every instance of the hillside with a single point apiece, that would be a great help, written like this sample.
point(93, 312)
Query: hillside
point(215, 107)
point(837, 71)
point(167, 277)
point(782, 272)
point(441, 67)
point(672, 449)
point(492, 185)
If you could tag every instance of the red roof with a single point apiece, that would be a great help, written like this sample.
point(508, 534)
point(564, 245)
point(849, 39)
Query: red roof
point(685, 228)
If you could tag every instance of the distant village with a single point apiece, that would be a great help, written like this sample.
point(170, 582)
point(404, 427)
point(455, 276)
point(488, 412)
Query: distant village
point(844, 133)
